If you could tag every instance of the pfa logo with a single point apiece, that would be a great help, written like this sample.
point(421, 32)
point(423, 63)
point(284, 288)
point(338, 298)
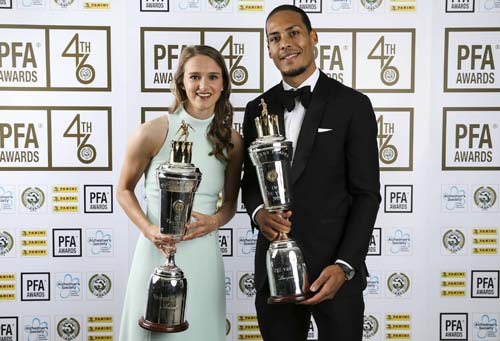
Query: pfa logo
point(162, 47)
point(398, 199)
point(309, 6)
point(9, 328)
point(395, 138)
point(385, 60)
point(471, 59)
point(83, 136)
point(67, 242)
point(454, 326)
point(98, 198)
point(484, 283)
point(471, 139)
point(68, 328)
point(460, 6)
point(334, 54)
point(63, 58)
point(375, 245)
point(226, 241)
point(100, 286)
point(35, 286)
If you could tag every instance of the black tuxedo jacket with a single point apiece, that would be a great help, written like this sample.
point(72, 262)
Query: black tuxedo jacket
point(335, 179)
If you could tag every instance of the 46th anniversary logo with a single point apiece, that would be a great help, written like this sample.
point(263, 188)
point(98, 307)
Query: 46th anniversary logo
point(55, 58)
point(55, 138)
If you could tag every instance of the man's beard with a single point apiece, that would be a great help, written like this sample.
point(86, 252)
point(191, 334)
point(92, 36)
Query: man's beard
point(294, 72)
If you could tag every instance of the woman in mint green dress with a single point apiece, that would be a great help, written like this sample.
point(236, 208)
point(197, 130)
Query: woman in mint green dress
point(202, 89)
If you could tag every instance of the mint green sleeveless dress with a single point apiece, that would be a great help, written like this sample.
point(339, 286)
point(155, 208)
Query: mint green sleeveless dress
point(200, 259)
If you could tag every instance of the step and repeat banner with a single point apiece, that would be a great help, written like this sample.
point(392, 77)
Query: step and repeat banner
point(77, 77)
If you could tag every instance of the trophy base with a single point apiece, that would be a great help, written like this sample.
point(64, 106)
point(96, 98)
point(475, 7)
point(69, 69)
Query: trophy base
point(162, 328)
point(289, 298)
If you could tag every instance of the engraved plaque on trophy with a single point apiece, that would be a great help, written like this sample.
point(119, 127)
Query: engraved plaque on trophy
point(271, 155)
point(178, 179)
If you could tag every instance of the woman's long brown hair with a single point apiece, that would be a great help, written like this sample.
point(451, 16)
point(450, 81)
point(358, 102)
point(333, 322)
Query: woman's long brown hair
point(219, 133)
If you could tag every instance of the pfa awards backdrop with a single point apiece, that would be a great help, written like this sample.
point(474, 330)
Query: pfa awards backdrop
point(78, 76)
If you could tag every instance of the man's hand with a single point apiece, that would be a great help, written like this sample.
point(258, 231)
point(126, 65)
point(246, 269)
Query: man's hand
point(328, 283)
point(271, 224)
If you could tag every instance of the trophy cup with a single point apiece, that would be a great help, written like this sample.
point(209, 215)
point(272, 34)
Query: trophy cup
point(178, 181)
point(271, 155)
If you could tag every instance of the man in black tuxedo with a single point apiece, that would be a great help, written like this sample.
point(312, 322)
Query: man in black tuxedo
point(335, 180)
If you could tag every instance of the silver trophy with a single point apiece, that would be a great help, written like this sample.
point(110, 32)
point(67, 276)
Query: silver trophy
point(271, 155)
point(178, 180)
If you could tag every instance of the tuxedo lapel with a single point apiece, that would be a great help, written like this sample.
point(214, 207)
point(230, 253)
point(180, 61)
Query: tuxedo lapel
point(310, 125)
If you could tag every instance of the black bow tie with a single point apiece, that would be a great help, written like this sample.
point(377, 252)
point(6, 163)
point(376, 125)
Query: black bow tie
point(288, 97)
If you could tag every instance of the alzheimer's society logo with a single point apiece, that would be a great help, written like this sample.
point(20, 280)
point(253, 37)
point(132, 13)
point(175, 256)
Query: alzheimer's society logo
point(399, 242)
point(7, 201)
point(68, 286)
point(247, 241)
point(454, 198)
point(485, 327)
point(37, 329)
point(100, 242)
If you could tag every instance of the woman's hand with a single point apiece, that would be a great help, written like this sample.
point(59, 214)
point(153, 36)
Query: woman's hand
point(163, 242)
point(203, 225)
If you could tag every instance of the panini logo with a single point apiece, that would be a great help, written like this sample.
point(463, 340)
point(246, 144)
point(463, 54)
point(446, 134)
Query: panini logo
point(67, 242)
point(454, 326)
point(9, 328)
point(471, 139)
point(471, 57)
point(62, 58)
point(460, 6)
point(385, 60)
point(395, 138)
point(154, 5)
point(35, 286)
point(162, 47)
point(226, 241)
point(484, 284)
point(398, 199)
point(83, 136)
point(309, 6)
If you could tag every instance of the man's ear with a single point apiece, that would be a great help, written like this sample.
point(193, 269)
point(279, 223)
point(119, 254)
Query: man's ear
point(314, 36)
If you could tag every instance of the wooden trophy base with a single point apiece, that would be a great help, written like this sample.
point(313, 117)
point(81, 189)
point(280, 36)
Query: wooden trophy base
point(162, 328)
point(289, 298)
